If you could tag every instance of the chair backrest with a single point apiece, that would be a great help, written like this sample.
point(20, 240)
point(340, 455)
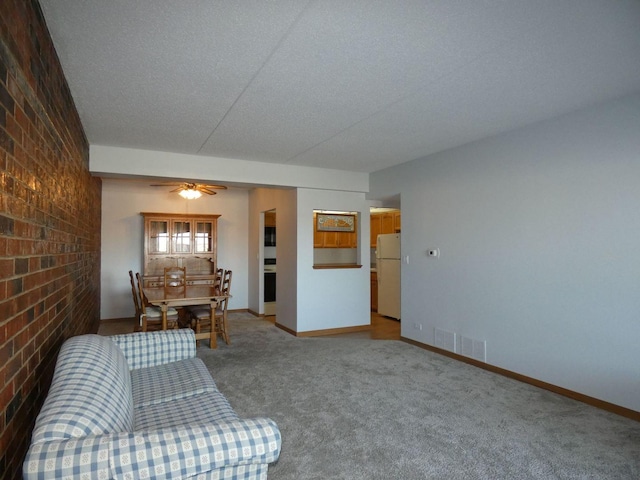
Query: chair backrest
point(175, 276)
point(226, 282)
point(226, 288)
point(143, 302)
point(217, 283)
point(144, 321)
point(136, 296)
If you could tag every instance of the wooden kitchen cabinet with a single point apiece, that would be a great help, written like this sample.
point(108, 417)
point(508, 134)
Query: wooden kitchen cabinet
point(270, 218)
point(375, 228)
point(387, 223)
point(374, 292)
point(333, 239)
point(318, 237)
point(329, 239)
point(384, 222)
point(188, 241)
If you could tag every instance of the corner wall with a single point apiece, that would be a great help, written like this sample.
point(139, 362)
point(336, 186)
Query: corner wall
point(332, 298)
point(538, 234)
point(49, 224)
point(284, 202)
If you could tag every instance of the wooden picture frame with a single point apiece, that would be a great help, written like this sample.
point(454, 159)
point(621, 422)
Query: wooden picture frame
point(335, 223)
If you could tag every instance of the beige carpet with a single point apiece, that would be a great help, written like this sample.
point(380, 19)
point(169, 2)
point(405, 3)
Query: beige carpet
point(378, 409)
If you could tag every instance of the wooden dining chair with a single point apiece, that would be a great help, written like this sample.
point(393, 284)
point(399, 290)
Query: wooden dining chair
point(194, 311)
point(217, 283)
point(151, 316)
point(136, 300)
point(201, 316)
point(175, 276)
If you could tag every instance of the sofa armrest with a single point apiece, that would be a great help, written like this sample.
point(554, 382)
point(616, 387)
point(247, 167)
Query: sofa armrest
point(148, 349)
point(83, 457)
point(184, 452)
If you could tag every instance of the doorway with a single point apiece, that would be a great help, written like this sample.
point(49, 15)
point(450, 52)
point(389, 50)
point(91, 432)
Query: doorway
point(270, 263)
point(386, 262)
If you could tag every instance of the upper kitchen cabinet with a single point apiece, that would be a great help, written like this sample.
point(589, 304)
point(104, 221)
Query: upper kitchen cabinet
point(188, 241)
point(384, 222)
point(270, 218)
point(397, 216)
point(335, 238)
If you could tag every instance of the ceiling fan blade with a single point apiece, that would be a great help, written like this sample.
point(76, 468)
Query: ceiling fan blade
point(208, 189)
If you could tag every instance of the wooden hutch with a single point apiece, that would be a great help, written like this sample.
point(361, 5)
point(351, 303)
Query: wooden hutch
point(188, 241)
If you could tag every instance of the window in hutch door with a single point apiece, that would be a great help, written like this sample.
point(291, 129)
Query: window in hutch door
point(181, 237)
point(159, 237)
point(204, 237)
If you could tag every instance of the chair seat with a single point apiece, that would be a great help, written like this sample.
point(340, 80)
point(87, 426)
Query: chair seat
point(154, 317)
point(156, 312)
point(203, 312)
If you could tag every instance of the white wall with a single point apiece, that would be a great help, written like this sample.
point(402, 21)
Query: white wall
point(309, 299)
point(332, 298)
point(284, 202)
point(117, 161)
point(122, 237)
point(539, 233)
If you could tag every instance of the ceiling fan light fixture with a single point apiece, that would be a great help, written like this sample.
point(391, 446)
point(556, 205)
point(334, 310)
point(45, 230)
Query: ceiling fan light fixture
point(190, 193)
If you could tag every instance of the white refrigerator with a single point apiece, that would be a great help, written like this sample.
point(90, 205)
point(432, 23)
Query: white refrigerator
point(388, 268)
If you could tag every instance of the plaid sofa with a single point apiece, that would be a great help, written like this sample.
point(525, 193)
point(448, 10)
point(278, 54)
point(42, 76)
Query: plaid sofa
point(143, 406)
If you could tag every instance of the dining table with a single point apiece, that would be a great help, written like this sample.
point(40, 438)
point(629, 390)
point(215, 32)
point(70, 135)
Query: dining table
point(188, 296)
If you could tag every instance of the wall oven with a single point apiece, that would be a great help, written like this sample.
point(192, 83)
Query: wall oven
point(269, 280)
point(269, 236)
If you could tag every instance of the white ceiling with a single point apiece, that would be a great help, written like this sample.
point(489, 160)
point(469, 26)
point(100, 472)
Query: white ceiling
point(354, 85)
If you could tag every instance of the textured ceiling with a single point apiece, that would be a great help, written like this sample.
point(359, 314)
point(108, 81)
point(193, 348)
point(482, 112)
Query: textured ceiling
point(354, 85)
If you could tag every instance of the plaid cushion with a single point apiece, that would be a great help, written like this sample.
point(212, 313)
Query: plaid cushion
point(90, 393)
point(204, 409)
point(170, 381)
point(147, 349)
point(184, 452)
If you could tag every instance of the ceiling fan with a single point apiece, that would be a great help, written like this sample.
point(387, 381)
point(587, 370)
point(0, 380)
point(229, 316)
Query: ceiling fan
point(191, 191)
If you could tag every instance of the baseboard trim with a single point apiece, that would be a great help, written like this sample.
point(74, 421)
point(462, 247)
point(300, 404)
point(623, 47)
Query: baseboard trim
point(320, 333)
point(124, 319)
point(288, 330)
point(594, 402)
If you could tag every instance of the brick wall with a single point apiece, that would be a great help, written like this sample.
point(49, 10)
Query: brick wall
point(49, 224)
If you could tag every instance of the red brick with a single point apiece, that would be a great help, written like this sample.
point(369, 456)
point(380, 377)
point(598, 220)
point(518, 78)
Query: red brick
point(14, 130)
point(44, 181)
point(6, 267)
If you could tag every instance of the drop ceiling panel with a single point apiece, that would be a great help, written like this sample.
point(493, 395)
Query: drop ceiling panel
point(362, 58)
point(356, 85)
point(157, 74)
point(535, 76)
